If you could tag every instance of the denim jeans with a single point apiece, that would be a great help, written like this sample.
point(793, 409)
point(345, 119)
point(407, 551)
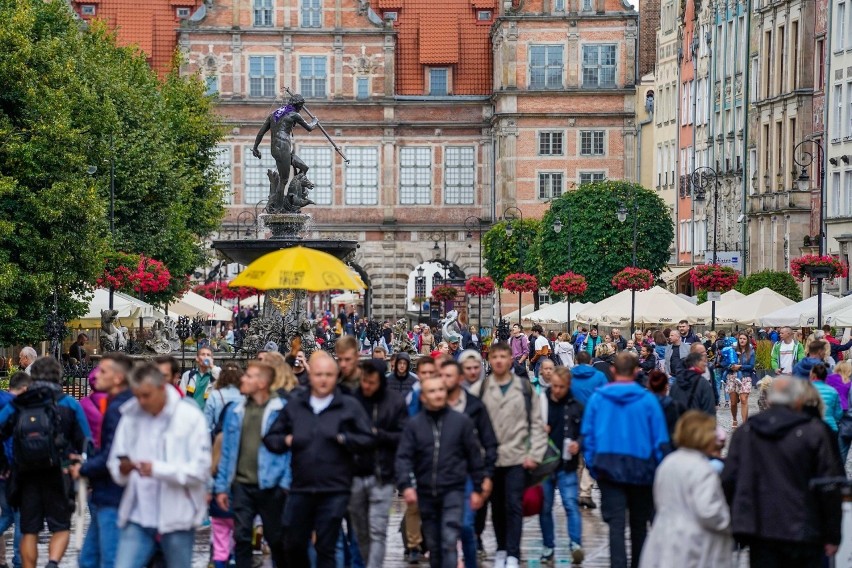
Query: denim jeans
point(507, 514)
point(101, 542)
point(9, 517)
point(306, 513)
point(468, 530)
point(719, 379)
point(369, 511)
point(137, 544)
point(566, 481)
point(442, 519)
point(618, 499)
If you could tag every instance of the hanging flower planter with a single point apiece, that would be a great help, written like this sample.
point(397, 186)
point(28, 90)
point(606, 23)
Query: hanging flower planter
point(217, 290)
point(817, 267)
point(479, 286)
point(134, 273)
point(633, 279)
point(571, 285)
point(713, 278)
point(444, 293)
point(520, 282)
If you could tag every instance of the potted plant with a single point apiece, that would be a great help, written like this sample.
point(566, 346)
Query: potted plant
point(571, 286)
point(444, 293)
point(479, 286)
point(763, 358)
point(518, 283)
point(817, 267)
point(632, 278)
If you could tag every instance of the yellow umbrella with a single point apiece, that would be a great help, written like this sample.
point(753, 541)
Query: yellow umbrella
point(297, 268)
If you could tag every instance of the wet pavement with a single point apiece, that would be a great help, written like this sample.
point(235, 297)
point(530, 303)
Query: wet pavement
point(595, 533)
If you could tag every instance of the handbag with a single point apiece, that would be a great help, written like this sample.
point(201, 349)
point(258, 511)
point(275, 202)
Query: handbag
point(533, 500)
point(549, 464)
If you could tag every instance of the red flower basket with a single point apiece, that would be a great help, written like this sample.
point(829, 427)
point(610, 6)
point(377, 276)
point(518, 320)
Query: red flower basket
point(479, 286)
point(714, 278)
point(134, 273)
point(444, 293)
point(571, 285)
point(815, 266)
point(217, 290)
point(633, 279)
point(520, 282)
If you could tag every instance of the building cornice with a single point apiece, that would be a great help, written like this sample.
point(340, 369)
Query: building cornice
point(278, 32)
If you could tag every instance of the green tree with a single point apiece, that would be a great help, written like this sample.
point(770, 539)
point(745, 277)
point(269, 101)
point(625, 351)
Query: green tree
point(600, 245)
point(781, 282)
point(504, 255)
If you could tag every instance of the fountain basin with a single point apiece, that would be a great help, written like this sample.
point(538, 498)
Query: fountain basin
point(247, 251)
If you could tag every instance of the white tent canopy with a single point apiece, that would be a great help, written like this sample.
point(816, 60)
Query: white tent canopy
point(194, 305)
point(732, 295)
point(656, 306)
point(841, 318)
point(747, 310)
point(513, 316)
point(838, 313)
point(128, 307)
point(790, 315)
point(555, 313)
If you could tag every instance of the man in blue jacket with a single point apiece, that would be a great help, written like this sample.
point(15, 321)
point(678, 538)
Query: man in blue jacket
point(250, 479)
point(101, 544)
point(624, 440)
point(585, 380)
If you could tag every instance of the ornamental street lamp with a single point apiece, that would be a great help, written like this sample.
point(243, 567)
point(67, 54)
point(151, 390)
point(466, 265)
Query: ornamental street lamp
point(803, 183)
point(621, 213)
point(470, 223)
point(420, 292)
point(557, 228)
point(510, 215)
point(705, 178)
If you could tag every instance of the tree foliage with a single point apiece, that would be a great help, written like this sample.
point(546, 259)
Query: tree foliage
point(505, 255)
point(71, 99)
point(781, 282)
point(600, 245)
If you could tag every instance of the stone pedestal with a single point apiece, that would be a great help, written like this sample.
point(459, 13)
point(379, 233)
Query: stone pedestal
point(285, 225)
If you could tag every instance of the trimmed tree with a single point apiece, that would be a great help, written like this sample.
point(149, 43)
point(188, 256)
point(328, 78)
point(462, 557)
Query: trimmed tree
point(504, 255)
point(781, 282)
point(600, 245)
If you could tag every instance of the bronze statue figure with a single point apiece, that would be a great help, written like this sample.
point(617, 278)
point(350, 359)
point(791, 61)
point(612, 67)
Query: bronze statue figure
point(281, 123)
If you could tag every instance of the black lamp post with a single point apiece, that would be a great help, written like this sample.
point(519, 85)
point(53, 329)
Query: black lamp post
point(436, 250)
point(621, 213)
point(705, 178)
point(420, 292)
point(470, 223)
point(803, 183)
point(510, 215)
point(557, 228)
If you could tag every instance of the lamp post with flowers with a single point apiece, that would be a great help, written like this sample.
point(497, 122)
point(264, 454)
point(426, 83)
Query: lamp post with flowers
point(803, 183)
point(621, 213)
point(818, 267)
point(571, 285)
point(715, 278)
point(479, 286)
point(633, 279)
point(519, 283)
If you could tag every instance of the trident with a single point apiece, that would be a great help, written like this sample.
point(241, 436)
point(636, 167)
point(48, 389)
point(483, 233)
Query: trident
point(322, 129)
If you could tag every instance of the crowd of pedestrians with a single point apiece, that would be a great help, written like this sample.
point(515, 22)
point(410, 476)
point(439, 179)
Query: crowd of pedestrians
point(309, 455)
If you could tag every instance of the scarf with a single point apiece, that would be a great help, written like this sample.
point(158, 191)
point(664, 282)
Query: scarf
point(286, 109)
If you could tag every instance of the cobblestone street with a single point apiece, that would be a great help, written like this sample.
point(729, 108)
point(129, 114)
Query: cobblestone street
point(595, 533)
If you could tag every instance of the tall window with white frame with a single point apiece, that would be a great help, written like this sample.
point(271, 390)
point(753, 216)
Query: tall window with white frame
point(551, 143)
point(439, 81)
point(846, 204)
point(546, 64)
point(415, 176)
point(837, 123)
point(592, 142)
point(840, 31)
point(311, 13)
point(362, 176)
point(459, 175)
point(549, 185)
point(312, 76)
point(262, 13)
point(559, 5)
point(262, 76)
point(591, 177)
point(599, 66)
point(833, 207)
point(319, 158)
point(256, 182)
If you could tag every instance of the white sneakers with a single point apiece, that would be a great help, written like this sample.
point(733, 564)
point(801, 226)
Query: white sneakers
point(500, 559)
point(512, 562)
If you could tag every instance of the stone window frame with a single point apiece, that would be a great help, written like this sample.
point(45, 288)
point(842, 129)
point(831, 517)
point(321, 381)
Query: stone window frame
point(310, 14)
point(267, 90)
point(263, 13)
point(361, 179)
point(546, 67)
point(463, 193)
point(413, 160)
point(540, 142)
point(321, 161)
point(546, 186)
point(592, 142)
point(599, 67)
point(308, 83)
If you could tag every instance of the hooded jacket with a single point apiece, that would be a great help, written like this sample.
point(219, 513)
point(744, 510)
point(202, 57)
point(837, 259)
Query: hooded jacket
point(105, 492)
point(401, 385)
point(585, 380)
point(323, 444)
point(388, 414)
point(475, 410)
point(624, 434)
point(438, 452)
point(692, 390)
point(781, 506)
point(802, 369)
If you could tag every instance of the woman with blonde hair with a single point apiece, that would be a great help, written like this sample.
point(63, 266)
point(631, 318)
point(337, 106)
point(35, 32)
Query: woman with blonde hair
point(841, 381)
point(692, 526)
point(285, 380)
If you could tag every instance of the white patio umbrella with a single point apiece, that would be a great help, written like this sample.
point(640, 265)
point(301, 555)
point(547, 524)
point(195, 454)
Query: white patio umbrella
point(748, 310)
point(790, 315)
point(128, 307)
point(555, 313)
point(513, 316)
point(192, 304)
point(656, 306)
point(833, 314)
point(732, 295)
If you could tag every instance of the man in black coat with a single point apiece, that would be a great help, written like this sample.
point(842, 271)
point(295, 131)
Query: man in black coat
point(779, 516)
point(461, 401)
point(324, 429)
point(691, 388)
point(437, 454)
point(373, 488)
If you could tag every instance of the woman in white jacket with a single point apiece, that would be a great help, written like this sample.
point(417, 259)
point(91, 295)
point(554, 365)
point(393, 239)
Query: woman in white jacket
point(161, 456)
point(692, 526)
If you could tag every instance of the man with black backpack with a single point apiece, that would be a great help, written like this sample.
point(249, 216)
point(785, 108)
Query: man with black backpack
point(522, 445)
point(49, 431)
point(101, 543)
